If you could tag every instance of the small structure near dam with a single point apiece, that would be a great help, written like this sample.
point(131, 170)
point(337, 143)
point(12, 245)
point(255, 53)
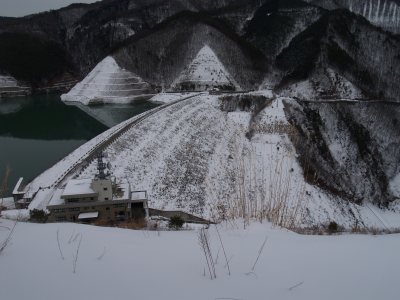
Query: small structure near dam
point(84, 200)
point(87, 199)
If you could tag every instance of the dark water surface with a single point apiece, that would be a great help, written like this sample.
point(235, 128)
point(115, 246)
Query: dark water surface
point(38, 131)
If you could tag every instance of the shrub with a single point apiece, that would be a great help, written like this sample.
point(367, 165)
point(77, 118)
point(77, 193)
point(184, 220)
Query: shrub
point(38, 216)
point(104, 222)
point(175, 222)
point(133, 224)
point(333, 226)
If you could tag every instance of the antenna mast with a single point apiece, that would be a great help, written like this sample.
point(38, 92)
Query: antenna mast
point(100, 164)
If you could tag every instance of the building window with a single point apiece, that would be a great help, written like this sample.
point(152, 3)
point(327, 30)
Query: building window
point(61, 218)
point(119, 205)
point(58, 210)
point(73, 200)
point(104, 189)
point(105, 198)
point(91, 198)
point(107, 208)
point(74, 209)
point(86, 208)
point(93, 207)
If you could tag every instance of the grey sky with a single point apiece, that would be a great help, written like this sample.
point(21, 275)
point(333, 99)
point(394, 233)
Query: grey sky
point(19, 8)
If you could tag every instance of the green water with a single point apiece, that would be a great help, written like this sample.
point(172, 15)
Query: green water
point(38, 131)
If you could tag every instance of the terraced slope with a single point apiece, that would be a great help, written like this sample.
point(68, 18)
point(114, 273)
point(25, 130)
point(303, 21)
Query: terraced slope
point(205, 71)
point(108, 83)
point(9, 87)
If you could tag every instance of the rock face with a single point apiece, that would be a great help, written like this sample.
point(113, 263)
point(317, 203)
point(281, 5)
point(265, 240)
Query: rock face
point(205, 72)
point(354, 147)
point(108, 83)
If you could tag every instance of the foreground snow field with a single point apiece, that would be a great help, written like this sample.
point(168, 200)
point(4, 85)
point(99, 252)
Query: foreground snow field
point(145, 265)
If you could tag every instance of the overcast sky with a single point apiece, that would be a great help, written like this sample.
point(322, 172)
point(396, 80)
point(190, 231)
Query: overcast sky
point(19, 8)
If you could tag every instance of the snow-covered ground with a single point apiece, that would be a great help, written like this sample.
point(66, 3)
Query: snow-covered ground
point(108, 83)
point(170, 264)
point(8, 202)
point(204, 72)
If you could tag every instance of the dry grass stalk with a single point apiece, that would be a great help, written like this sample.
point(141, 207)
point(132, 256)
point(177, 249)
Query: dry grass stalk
point(105, 251)
point(75, 257)
point(3, 188)
point(295, 286)
point(259, 253)
point(265, 188)
point(204, 243)
point(7, 241)
point(223, 249)
point(58, 242)
point(72, 235)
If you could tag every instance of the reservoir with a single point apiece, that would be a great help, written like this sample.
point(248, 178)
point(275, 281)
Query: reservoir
point(38, 131)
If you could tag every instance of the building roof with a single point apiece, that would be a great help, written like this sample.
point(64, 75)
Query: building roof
point(56, 199)
point(122, 192)
point(78, 187)
point(88, 215)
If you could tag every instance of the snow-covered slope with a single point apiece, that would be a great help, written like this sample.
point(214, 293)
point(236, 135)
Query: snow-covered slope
point(7, 81)
point(195, 157)
point(192, 156)
point(205, 72)
point(322, 84)
point(108, 83)
point(355, 147)
point(383, 13)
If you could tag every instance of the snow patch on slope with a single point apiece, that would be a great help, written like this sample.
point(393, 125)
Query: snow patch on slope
point(205, 72)
point(108, 83)
point(322, 84)
point(7, 81)
point(394, 186)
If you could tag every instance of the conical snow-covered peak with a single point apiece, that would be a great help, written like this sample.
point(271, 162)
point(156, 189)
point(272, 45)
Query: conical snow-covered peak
point(205, 72)
point(108, 83)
